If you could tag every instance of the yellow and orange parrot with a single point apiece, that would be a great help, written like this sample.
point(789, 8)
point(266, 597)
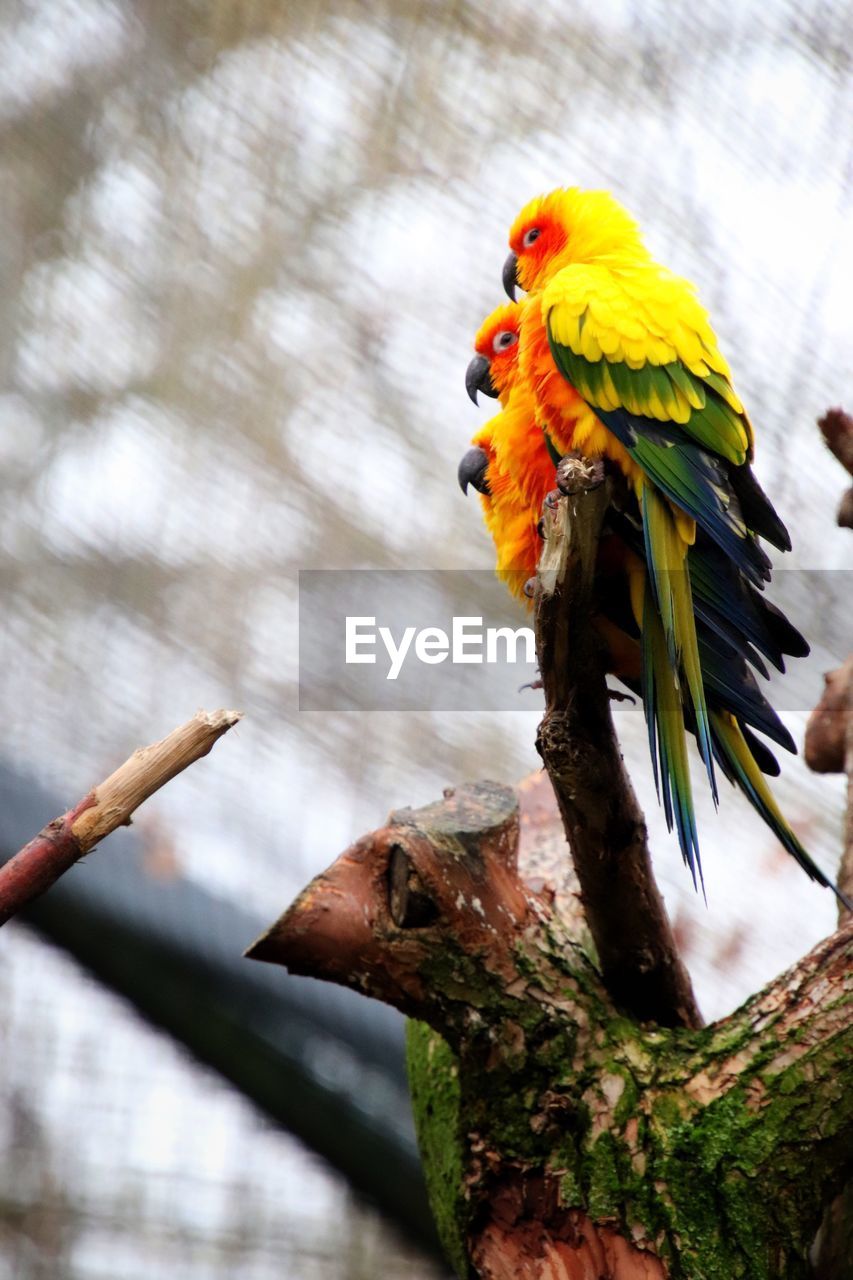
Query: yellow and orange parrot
point(507, 462)
point(624, 365)
point(513, 466)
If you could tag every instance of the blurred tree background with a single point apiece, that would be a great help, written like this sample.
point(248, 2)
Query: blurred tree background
point(245, 247)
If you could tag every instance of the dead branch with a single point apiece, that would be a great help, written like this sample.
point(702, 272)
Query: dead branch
point(111, 804)
point(829, 734)
point(826, 730)
point(836, 427)
point(829, 749)
point(603, 821)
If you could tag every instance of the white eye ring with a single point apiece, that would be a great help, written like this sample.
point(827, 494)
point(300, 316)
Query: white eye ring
point(503, 340)
point(531, 236)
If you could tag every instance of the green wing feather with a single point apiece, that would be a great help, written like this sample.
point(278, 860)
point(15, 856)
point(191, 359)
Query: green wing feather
point(700, 412)
point(637, 346)
point(693, 478)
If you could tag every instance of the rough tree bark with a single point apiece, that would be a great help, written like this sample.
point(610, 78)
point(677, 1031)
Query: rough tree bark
point(575, 1119)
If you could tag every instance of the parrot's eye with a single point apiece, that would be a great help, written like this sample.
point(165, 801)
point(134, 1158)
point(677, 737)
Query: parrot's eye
point(506, 338)
point(531, 236)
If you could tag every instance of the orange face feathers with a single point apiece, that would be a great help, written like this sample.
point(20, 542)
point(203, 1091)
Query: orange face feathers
point(536, 238)
point(570, 226)
point(497, 343)
point(504, 319)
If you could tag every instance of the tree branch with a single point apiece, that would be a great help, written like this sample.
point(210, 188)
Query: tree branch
point(802, 1023)
point(109, 805)
point(603, 821)
point(829, 734)
point(836, 427)
point(826, 731)
point(829, 749)
point(558, 1134)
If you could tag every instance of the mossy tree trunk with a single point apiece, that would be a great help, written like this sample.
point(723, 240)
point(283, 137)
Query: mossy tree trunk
point(575, 1118)
point(558, 1132)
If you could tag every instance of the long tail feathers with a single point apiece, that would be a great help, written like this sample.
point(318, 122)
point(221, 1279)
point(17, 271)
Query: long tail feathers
point(725, 601)
point(733, 617)
point(666, 554)
point(667, 743)
point(739, 612)
point(731, 686)
point(761, 753)
point(737, 762)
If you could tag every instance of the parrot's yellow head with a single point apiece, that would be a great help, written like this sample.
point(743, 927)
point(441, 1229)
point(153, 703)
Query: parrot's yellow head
point(493, 369)
point(564, 227)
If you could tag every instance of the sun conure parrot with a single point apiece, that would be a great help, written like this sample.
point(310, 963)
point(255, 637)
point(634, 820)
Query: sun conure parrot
point(514, 470)
point(507, 462)
point(624, 364)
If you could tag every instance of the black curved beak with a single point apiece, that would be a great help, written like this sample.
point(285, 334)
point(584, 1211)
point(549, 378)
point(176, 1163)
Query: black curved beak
point(510, 276)
point(478, 377)
point(472, 470)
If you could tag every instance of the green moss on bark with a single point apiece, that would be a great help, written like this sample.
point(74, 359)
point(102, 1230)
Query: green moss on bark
point(716, 1149)
point(434, 1084)
point(700, 1182)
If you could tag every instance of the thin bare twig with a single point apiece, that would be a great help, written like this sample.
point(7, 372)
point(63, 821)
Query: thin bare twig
point(109, 805)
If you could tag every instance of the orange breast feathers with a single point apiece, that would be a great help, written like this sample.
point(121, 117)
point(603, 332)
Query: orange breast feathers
point(521, 453)
point(496, 343)
point(519, 474)
point(520, 471)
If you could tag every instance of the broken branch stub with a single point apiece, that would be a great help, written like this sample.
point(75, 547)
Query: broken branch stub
point(416, 895)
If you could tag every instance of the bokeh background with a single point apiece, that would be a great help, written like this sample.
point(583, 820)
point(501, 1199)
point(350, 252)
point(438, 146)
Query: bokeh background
point(244, 249)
